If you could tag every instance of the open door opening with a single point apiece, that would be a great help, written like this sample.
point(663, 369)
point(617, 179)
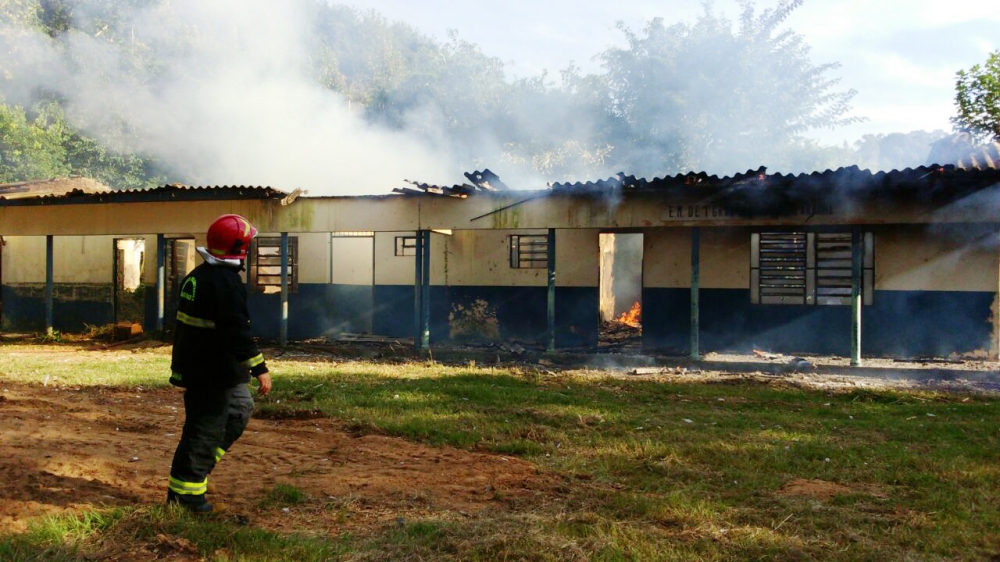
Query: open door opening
point(178, 262)
point(129, 289)
point(352, 282)
point(621, 291)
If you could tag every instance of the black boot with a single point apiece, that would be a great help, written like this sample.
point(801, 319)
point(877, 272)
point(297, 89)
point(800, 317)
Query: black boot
point(192, 503)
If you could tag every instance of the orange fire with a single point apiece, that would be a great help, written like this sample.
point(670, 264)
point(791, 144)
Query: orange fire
point(633, 317)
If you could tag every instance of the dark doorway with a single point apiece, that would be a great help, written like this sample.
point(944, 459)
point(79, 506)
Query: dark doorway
point(178, 262)
point(2, 242)
point(129, 289)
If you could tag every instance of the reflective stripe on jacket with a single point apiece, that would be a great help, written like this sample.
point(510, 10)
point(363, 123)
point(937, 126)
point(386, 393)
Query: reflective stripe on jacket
point(212, 343)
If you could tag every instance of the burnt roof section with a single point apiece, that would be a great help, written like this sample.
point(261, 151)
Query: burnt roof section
point(958, 149)
point(981, 157)
point(757, 192)
point(172, 192)
point(480, 181)
point(486, 180)
point(458, 191)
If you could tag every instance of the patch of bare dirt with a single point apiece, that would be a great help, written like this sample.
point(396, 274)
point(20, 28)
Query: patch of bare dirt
point(67, 449)
point(815, 489)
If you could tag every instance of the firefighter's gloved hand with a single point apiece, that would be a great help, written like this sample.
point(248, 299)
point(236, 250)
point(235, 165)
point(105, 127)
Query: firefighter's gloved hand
point(264, 380)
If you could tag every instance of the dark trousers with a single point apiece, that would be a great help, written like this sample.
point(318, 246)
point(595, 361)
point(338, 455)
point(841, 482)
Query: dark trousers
point(213, 421)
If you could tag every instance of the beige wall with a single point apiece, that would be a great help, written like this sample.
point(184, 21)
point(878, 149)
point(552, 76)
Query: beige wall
point(314, 255)
point(910, 259)
point(907, 258)
point(397, 213)
point(474, 257)
point(666, 258)
point(174, 218)
point(352, 260)
point(24, 259)
point(75, 259)
point(391, 269)
point(482, 257)
point(578, 257)
point(725, 259)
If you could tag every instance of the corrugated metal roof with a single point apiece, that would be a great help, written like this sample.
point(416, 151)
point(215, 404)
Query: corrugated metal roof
point(481, 181)
point(172, 192)
point(459, 191)
point(51, 187)
point(757, 192)
point(958, 149)
point(981, 157)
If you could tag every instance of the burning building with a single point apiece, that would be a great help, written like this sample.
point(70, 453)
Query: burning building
point(903, 263)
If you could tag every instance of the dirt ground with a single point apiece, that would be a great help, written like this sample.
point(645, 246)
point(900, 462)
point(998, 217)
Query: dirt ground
point(65, 449)
point(69, 449)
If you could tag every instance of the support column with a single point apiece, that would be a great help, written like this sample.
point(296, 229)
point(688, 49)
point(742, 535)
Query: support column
point(48, 285)
point(857, 245)
point(695, 289)
point(418, 281)
point(283, 330)
point(551, 299)
point(425, 297)
point(161, 280)
point(995, 308)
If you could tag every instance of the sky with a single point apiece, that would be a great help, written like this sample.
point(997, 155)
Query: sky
point(900, 55)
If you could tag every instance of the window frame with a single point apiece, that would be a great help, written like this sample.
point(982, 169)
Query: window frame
point(808, 267)
point(256, 261)
point(405, 246)
point(524, 250)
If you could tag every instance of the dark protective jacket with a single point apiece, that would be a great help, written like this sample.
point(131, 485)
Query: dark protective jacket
point(212, 344)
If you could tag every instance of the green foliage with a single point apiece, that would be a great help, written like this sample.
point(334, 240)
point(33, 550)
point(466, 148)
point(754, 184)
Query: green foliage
point(977, 95)
point(30, 149)
point(48, 146)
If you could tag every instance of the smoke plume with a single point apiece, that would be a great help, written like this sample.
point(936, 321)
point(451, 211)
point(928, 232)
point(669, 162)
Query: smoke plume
point(219, 92)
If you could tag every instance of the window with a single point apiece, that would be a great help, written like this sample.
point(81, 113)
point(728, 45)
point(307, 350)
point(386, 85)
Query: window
point(406, 245)
point(808, 268)
point(265, 264)
point(529, 251)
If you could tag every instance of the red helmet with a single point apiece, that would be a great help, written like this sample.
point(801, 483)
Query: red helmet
point(229, 237)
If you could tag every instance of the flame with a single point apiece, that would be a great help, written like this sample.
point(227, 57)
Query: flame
point(633, 317)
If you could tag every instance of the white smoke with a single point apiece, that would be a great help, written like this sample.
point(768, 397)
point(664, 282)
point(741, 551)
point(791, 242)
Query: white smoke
point(219, 91)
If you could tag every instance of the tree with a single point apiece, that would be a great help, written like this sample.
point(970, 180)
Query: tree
point(706, 96)
point(977, 95)
point(29, 150)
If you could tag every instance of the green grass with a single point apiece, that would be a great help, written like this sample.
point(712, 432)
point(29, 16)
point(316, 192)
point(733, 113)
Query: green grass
point(146, 533)
point(282, 495)
point(652, 471)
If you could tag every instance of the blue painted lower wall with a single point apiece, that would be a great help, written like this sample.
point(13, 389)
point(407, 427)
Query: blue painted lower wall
point(74, 307)
point(898, 324)
point(314, 310)
point(476, 313)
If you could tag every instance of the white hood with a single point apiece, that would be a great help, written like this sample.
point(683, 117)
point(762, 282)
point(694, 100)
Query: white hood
point(212, 260)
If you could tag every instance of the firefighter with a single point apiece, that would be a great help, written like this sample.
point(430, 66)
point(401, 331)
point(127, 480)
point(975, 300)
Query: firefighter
point(213, 360)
